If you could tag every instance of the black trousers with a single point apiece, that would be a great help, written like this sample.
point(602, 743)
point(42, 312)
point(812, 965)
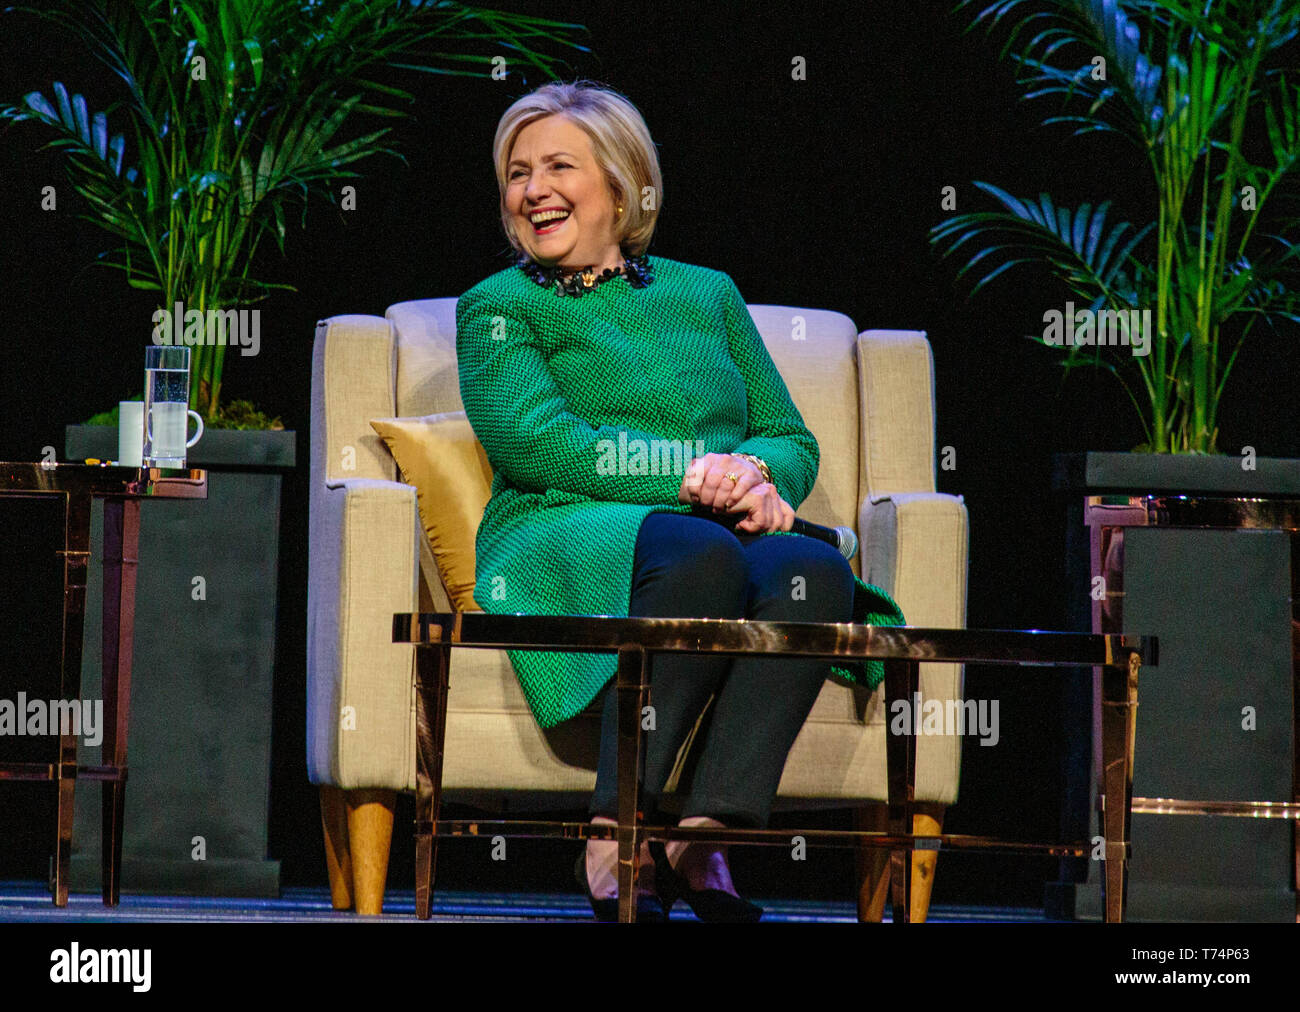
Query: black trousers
point(693, 566)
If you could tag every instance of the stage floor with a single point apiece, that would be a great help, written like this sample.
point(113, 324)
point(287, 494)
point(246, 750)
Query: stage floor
point(30, 902)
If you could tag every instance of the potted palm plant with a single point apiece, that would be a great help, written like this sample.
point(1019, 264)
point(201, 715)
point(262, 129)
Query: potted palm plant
point(1217, 255)
point(230, 112)
point(236, 110)
point(1162, 293)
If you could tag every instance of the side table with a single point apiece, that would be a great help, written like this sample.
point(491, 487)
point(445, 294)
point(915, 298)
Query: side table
point(1116, 520)
point(122, 489)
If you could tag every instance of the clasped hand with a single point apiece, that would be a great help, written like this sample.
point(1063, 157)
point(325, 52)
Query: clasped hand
point(707, 484)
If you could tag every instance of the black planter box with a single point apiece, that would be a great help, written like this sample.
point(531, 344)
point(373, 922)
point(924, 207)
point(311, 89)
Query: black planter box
point(1087, 474)
point(1220, 602)
point(199, 753)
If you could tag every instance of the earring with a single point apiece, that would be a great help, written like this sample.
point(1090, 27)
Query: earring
point(620, 209)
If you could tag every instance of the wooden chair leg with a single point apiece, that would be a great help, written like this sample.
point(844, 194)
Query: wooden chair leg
point(370, 835)
point(873, 862)
point(338, 855)
point(928, 820)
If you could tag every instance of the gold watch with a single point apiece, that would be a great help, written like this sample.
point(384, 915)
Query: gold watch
point(759, 463)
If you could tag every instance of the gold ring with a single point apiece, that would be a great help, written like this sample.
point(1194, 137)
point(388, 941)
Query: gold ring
point(732, 475)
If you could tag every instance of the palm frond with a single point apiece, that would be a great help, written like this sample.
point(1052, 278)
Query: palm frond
point(1085, 251)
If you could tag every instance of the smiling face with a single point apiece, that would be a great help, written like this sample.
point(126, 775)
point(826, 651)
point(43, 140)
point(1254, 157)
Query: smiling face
point(559, 198)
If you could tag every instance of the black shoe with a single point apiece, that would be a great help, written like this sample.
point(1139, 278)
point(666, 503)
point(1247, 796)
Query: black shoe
point(711, 905)
point(649, 909)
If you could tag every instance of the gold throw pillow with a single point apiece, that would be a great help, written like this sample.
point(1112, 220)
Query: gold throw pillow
point(443, 459)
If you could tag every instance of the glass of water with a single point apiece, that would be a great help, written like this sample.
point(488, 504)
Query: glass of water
point(167, 406)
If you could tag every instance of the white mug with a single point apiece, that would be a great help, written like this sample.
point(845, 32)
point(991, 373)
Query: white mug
point(130, 432)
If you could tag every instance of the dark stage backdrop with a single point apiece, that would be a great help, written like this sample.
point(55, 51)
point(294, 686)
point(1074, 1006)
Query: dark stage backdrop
point(808, 193)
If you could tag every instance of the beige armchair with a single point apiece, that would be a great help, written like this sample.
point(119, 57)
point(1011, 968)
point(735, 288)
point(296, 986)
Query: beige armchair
point(869, 399)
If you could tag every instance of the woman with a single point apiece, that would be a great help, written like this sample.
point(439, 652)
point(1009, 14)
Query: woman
point(643, 443)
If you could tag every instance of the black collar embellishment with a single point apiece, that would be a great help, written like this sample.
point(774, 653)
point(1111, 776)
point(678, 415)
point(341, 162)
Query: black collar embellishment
point(577, 283)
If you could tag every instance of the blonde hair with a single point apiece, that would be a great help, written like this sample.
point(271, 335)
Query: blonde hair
point(619, 139)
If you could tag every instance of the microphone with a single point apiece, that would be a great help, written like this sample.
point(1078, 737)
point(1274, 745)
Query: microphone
point(841, 538)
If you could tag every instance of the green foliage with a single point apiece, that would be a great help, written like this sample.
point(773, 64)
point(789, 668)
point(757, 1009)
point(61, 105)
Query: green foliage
point(109, 417)
point(238, 109)
point(242, 415)
point(1194, 88)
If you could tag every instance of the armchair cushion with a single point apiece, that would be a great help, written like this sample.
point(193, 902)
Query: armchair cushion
point(440, 455)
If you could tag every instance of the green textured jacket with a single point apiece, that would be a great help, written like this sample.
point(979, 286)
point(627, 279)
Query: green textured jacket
point(589, 408)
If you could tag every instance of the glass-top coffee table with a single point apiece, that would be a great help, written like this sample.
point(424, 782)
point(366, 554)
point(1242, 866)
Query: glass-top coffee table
point(903, 649)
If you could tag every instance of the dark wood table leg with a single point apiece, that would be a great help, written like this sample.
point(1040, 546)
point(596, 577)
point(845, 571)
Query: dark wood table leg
point(121, 559)
point(76, 559)
point(433, 668)
point(1118, 738)
point(632, 688)
point(902, 683)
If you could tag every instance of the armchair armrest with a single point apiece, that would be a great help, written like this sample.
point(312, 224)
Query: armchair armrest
point(363, 566)
point(896, 373)
point(915, 547)
point(354, 361)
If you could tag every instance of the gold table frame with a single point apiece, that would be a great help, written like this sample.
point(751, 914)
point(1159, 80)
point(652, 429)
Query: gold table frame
point(903, 650)
point(122, 489)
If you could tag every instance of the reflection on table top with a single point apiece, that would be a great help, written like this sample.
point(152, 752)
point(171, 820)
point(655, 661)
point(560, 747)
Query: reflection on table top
point(1211, 511)
point(18, 478)
point(604, 633)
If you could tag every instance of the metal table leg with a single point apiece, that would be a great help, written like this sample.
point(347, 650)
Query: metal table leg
point(433, 667)
point(633, 689)
point(1118, 737)
point(121, 558)
point(902, 682)
point(76, 558)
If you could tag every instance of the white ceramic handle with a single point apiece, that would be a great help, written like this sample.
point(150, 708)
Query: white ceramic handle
point(198, 418)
